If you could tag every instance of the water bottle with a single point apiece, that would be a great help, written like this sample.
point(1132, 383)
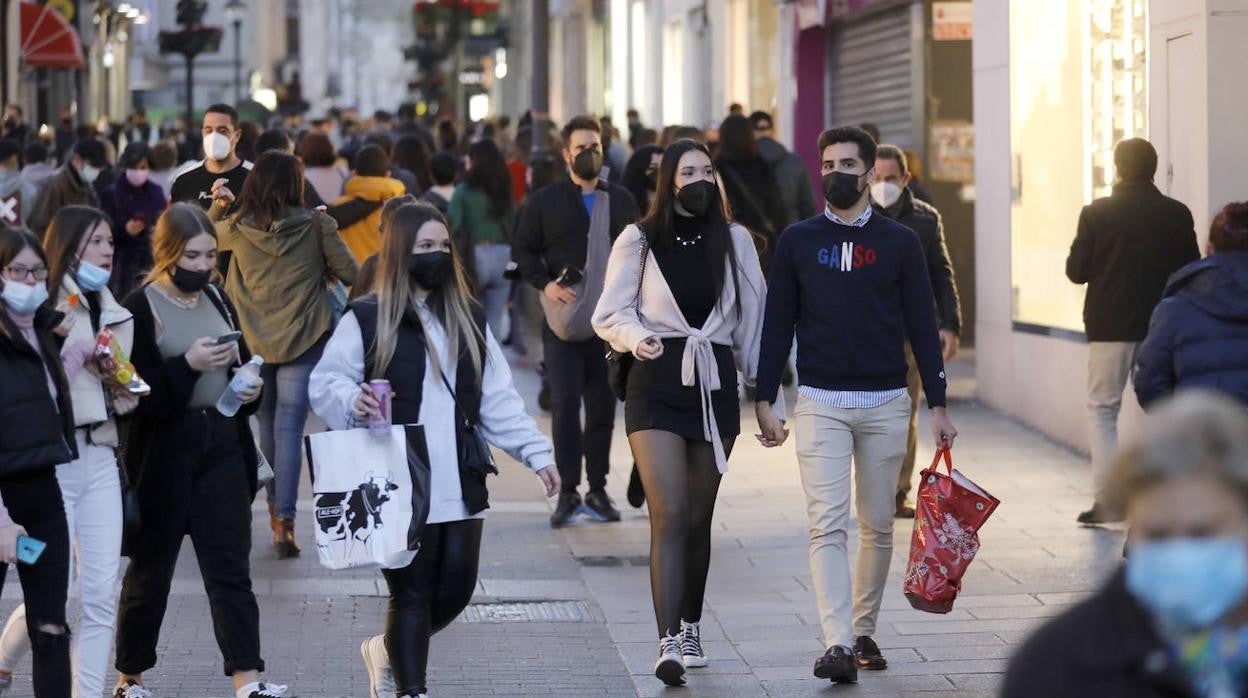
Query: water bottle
point(247, 377)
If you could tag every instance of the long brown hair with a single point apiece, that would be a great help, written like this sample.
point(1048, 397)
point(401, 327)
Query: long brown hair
point(273, 185)
point(176, 227)
point(63, 241)
point(396, 294)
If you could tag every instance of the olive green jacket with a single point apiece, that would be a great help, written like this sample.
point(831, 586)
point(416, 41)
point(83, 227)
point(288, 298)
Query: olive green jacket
point(277, 280)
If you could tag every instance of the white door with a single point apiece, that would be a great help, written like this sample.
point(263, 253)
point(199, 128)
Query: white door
point(1175, 171)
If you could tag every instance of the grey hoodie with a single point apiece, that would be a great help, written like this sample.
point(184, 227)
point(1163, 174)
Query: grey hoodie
point(17, 197)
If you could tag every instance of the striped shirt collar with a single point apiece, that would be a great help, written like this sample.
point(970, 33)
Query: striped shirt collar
point(858, 222)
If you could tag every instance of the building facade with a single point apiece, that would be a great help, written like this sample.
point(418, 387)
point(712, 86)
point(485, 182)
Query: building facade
point(1056, 85)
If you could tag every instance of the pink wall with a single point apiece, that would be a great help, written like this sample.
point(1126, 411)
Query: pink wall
point(809, 117)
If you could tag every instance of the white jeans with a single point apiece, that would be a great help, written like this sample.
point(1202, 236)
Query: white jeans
point(828, 440)
point(92, 492)
point(1109, 371)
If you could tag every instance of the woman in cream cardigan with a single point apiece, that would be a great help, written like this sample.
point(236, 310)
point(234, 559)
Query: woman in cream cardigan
point(684, 294)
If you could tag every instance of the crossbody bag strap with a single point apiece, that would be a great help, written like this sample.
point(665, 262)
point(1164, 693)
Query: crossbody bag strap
point(641, 275)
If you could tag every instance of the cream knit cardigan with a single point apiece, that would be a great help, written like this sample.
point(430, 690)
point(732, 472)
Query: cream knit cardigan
point(624, 323)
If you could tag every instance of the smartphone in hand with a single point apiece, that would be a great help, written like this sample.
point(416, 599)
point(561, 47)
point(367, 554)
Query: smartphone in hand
point(29, 549)
point(228, 338)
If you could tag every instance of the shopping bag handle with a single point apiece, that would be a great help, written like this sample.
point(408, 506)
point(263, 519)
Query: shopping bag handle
point(947, 453)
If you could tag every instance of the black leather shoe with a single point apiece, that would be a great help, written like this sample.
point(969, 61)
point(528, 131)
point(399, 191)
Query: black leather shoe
point(569, 504)
point(867, 654)
point(636, 492)
point(837, 664)
point(1100, 514)
point(599, 506)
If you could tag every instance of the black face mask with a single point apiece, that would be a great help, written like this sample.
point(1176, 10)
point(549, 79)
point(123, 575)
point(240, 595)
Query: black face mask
point(652, 179)
point(587, 164)
point(841, 189)
point(431, 270)
point(698, 197)
point(189, 281)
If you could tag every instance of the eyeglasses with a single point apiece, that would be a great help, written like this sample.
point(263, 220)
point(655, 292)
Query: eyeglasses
point(19, 273)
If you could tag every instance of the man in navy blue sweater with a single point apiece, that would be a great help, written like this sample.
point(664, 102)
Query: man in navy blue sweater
point(854, 287)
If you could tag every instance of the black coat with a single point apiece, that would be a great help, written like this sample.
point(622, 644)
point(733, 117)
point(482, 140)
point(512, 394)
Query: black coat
point(35, 432)
point(925, 221)
point(1126, 246)
point(1104, 647)
point(553, 231)
point(172, 382)
point(750, 187)
point(1199, 333)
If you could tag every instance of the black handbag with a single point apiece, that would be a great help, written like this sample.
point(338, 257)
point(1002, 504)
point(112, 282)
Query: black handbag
point(619, 363)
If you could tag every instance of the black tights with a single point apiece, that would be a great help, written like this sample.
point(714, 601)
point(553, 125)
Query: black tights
point(681, 481)
point(427, 595)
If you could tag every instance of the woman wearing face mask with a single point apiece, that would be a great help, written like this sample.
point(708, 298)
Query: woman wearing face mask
point(80, 261)
point(36, 434)
point(133, 203)
point(280, 255)
point(1174, 621)
point(193, 469)
point(641, 175)
point(422, 332)
point(684, 294)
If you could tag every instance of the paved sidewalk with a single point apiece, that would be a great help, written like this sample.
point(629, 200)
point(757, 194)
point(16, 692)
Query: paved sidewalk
point(760, 625)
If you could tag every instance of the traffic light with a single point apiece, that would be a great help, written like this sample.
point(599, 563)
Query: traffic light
point(191, 12)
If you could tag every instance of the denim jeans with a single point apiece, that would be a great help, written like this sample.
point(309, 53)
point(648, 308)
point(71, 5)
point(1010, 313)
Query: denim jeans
point(282, 415)
point(494, 290)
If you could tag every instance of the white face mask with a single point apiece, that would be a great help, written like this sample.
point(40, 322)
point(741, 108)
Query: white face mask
point(23, 299)
point(885, 193)
point(217, 146)
point(89, 174)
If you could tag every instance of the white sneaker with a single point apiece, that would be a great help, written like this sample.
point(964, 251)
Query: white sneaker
point(691, 645)
point(262, 690)
point(132, 690)
point(670, 669)
point(380, 678)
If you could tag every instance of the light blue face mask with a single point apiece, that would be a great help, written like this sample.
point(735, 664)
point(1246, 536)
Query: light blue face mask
point(91, 277)
point(1188, 583)
point(23, 299)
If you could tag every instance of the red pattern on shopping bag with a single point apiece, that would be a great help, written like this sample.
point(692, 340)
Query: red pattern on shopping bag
point(949, 512)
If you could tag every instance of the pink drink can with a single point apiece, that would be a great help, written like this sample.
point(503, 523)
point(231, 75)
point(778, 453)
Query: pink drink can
point(380, 427)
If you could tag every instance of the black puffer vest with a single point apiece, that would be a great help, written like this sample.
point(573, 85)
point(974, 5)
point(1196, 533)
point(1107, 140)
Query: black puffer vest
point(406, 374)
point(36, 433)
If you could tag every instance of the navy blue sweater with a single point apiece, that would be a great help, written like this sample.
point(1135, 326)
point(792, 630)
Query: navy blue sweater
point(853, 295)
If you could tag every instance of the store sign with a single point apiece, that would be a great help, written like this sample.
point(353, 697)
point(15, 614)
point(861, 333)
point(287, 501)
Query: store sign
point(952, 21)
point(952, 151)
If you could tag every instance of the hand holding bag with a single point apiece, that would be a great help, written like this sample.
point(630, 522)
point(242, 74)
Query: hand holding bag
point(371, 496)
point(949, 511)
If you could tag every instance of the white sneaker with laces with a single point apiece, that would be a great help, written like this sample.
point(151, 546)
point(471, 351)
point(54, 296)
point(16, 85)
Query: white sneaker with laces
point(380, 678)
point(691, 645)
point(670, 669)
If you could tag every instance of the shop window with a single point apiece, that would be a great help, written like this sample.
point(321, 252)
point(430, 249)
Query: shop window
point(1078, 85)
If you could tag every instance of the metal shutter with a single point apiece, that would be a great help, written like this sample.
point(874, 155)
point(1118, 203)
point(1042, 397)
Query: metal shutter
point(869, 75)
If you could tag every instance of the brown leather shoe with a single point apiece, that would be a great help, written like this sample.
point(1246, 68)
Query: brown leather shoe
point(904, 510)
point(285, 539)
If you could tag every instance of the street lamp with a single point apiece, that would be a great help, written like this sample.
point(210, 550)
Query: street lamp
point(235, 10)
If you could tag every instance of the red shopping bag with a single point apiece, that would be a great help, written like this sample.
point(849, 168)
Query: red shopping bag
point(948, 515)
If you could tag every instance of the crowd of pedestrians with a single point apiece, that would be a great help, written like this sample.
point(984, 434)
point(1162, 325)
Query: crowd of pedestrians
point(673, 271)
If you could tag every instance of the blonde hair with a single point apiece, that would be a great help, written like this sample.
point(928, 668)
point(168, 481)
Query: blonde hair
point(396, 294)
point(1196, 432)
point(176, 227)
